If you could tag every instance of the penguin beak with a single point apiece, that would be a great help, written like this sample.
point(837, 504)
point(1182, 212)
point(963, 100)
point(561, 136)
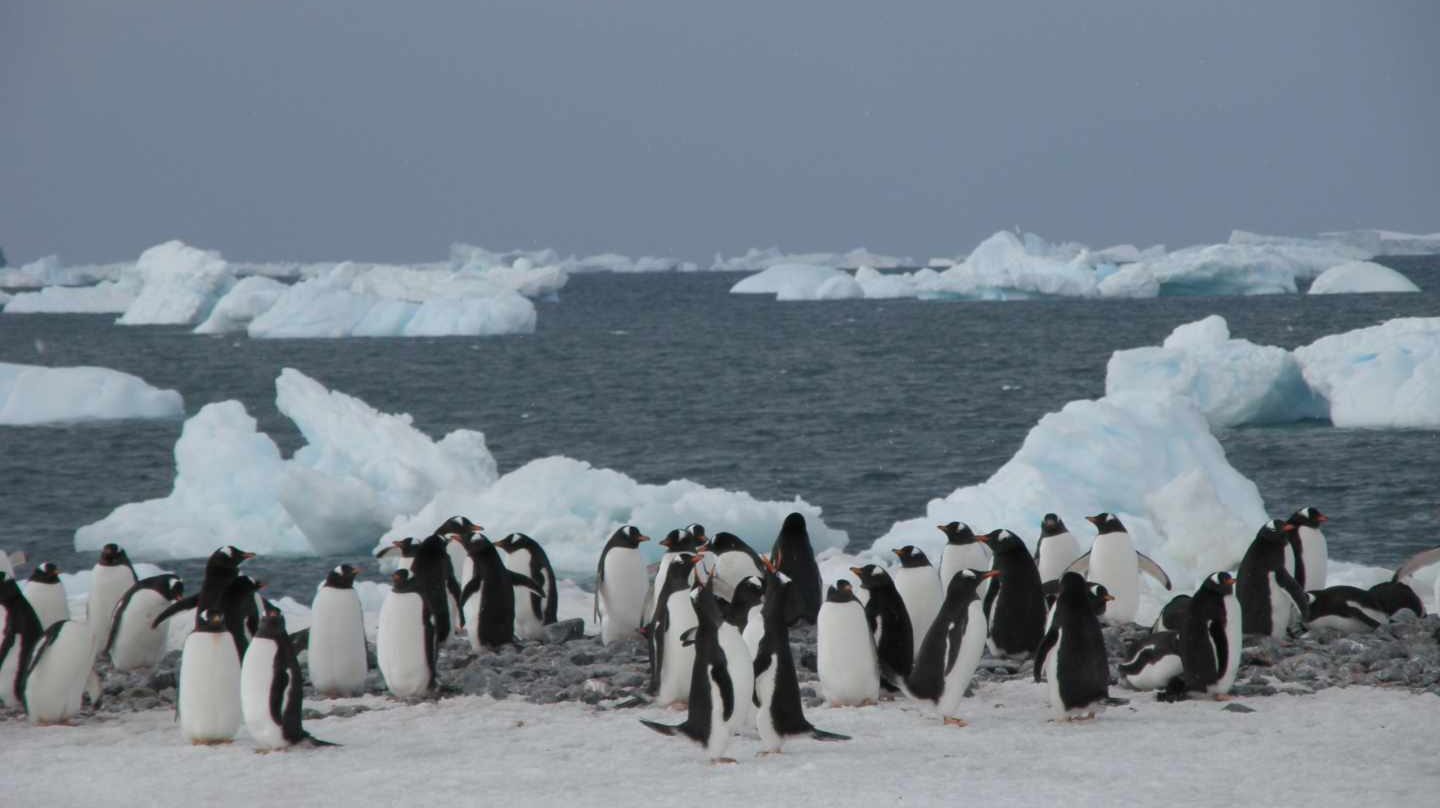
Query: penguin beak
point(990, 574)
point(858, 571)
point(940, 528)
point(1109, 597)
point(982, 538)
point(897, 552)
point(643, 537)
point(357, 569)
point(246, 556)
point(476, 529)
point(1094, 520)
point(1288, 528)
point(1322, 518)
point(1232, 581)
point(260, 584)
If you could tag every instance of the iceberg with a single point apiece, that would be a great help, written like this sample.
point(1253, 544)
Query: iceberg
point(1384, 376)
point(179, 285)
point(48, 271)
point(1357, 244)
point(32, 395)
point(106, 297)
point(246, 300)
point(800, 282)
point(1359, 277)
point(755, 259)
point(611, 262)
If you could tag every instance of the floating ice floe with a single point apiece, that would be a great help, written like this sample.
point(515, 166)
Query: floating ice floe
point(1360, 277)
point(179, 285)
point(247, 299)
point(800, 282)
point(1386, 375)
point(1359, 244)
point(32, 395)
point(48, 271)
point(106, 297)
point(755, 259)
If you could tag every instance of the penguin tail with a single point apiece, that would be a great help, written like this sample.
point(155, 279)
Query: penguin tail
point(822, 735)
point(663, 729)
point(316, 742)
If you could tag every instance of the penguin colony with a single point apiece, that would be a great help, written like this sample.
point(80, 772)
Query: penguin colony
point(715, 618)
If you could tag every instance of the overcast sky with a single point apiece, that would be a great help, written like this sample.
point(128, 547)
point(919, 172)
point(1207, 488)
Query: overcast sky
point(386, 131)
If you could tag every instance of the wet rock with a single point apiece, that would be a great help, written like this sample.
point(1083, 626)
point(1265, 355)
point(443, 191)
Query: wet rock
point(565, 631)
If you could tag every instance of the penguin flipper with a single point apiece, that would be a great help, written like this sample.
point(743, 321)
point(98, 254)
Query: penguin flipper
point(300, 640)
point(174, 609)
point(687, 637)
point(1082, 564)
point(1149, 567)
point(526, 581)
point(663, 729)
point(1048, 642)
point(1417, 562)
point(822, 735)
point(471, 587)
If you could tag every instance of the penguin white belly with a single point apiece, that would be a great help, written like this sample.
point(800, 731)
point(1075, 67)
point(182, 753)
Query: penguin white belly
point(679, 659)
point(972, 645)
point(257, 673)
point(55, 688)
point(770, 739)
point(720, 729)
point(400, 645)
point(459, 560)
point(1233, 640)
point(337, 643)
point(730, 569)
point(622, 595)
point(845, 655)
point(9, 672)
point(137, 645)
point(467, 569)
point(1056, 553)
point(1113, 563)
point(528, 626)
point(754, 631)
point(1280, 607)
point(919, 588)
point(472, 618)
point(49, 602)
point(958, 557)
point(1052, 676)
point(1316, 554)
point(742, 677)
point(209, 697)
point(1157, 674)
point(107, 586)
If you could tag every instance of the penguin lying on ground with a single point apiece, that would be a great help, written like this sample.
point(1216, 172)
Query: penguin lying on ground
point(1346, 608)
point(711, 702)
point(271, 688)
point(777, 689)
point(1154, 662)
point(1172, 614)
point(1397, 593)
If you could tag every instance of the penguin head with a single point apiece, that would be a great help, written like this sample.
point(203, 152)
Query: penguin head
point(433, 546)
point(46, 573)
point(727, 542)
point(405, 547)
point(1106, 523)
point(1308, 517)
point(1003, 542)
point(459, 526)
point(840, 592)
point(912, 556)
point(748, 593)
point(272, 625)
point(696, 530)
point(1099, 596)
point(872, 576)
point(1052, 525)
point(682, 541)
point(1275, 531)
point(1221, 583)
point(1073, 583)
point(402, 581)
point(342, 577)
point(957, 533)
point(210, 620)
point(173, 588)
point(964, 587)
point(232, 554)
point(628, 536)
point(794, 525)
point(112, 556)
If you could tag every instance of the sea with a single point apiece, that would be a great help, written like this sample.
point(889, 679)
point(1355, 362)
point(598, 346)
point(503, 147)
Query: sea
point(866, 408)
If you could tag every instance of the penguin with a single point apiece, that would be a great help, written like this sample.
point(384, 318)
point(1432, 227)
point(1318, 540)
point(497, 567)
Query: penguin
point(1314, 564)
point(620, 585)
point(533, 611)
point(221, 569)
point(670, 659)
point(209, 693)
point(1072, 654)
point(493, 586)
point(919, 588)
point(1172, 614)
point(133, 642)
point(242, 607)
point(734, 561)
point(745, 613)
point(1270, 599)
point(434, 575)
point(962, 552)
point(1345, 608)
point(952, 647)
point(711, 703)
point(61, 673)
point(46, 593)
point(111, 578)
point(745, 602)
point(1100, 598)
point(676, 543)
point(271, 688)
point(1398, 593)
point(1210, 640)
point(405, 638)
point(1015, 604)
point(336, 650)
point(845, 654)
point(459, 558)
point(21, 636)
point(889, 624)
point(1154, 662)
point(1056, 549)
point(1114, 562)
point(796, 557)
point(400, 554)
point(779, 712)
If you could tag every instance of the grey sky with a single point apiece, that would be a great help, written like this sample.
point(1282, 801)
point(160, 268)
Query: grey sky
point(385, 131)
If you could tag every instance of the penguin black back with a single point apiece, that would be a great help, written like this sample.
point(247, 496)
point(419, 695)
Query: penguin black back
point(1015, 603)
point(287, 684)
point(1083, 669)
point(1204, 646)
point(495, 584)
point(885, 611)
point(431, 569)
point(1393, 596)
point(22, 631)
point(710, 668)
point(545, 606)
point(1265, 559)
point(794, 556)
point(221, 570)
point(942, 642)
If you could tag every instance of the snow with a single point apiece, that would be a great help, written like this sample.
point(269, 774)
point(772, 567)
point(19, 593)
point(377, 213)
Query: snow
point(1384, 376)
point(755, 259)
point(179, 285)
point(1360, 276)
point(248, 299)
point(608, 758)
point(31, 395)
point(800, 282)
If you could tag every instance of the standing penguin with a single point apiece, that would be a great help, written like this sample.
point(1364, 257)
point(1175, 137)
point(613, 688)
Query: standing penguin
point(405, 642)
point(400, 553)
point(952, 647)
point(493, 586)
point(745, 601)
point(795, 557)
point(448, 530)
point(1056, 550)
point(20, 638)
point(221, 569)
point(1015, 604)
point(1114, 562)
point(734, 561)
point(133, 642)
point(711, 704)
point(533, 610)
point(1210, 640)
point(209, 691)
point(779, 712)
point(46, 593)
point(677, 543)
point(889, 624)
point(1314, 566)
point(111, 578)
point(920, 590)
point(620, 585)
point(1345, 608)
point(435, 577)
point(60, 674)
point(1072, 654)
point(271, 688)
point(962, 552)
point(1270, 599)
point(670, 659)
point(336, 652)
point(848, 667)
point(745, 611)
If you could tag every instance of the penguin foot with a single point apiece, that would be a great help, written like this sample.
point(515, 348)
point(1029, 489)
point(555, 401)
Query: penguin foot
point(1223, 697)
point(768, 752)
point(956, 722)
point(717, 761)
point(680, 706)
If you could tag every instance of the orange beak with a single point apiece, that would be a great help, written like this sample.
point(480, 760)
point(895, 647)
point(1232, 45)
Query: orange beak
point(643, 537)
point(982, 538)
point(1109, 597)
point(1322, 518)
point(1289, 528)
point(990, 574)
point(858, 571)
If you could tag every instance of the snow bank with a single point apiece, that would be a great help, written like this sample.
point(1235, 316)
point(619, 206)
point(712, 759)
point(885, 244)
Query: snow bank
point(754, 260)
point(247, 300)
point(1382, 376)
point(106, 297)
point(1233, 381)
point(800, 282)
point(1358, 277)
point(179, 285)
point(31, 394)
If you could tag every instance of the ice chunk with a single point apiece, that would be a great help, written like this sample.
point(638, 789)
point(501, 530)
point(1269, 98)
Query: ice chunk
point(48, 271)
point(610, 262)
point(30, 394)
point(247, 300)
point(755, 259)
point(106, 297)
point(800, 282)
point(180, 285)
point(1361, 276)
point(1354, 244)
point(1386, 375)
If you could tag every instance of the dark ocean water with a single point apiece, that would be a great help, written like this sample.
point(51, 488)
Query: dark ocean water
point(866, 408)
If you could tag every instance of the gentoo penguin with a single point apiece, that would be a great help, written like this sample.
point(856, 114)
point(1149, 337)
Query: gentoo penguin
point(60, 674)
point(1056, 549)
point(242, 607)
point(745, 612)
point(533, 611)
point(952, 647)
point(1345, 608)
point(491, 621)
point(405, 643)
point(46, 593)
point(670, 659)
point(745, 603)
point(1072, 654)
point(620, 585)
point(845, 650)
point(133, 641)
point(711, 703)
point(111, 578)
point(209, 697)
point(400, 554)
point(221, 569)
point(1398, 593)
point(779, 712)
point(1015, 604)
point(1100, 598)
point(436, 579)
point(21, 636)
point(1154, 662)
point(794, 556)
point(889, 624)
point(919, 588)
point(962, 552)
point(1210, 640)
point(459, 559)
point(271, 688)
point(734, 561)
point(1270, 599)
point(676, 543)
point(336, 652)
point(1314, 564)
point(1172, 614)
point(1114, 562)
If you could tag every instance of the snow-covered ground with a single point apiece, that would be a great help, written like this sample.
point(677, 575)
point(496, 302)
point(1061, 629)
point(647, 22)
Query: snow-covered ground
point(33, 394)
